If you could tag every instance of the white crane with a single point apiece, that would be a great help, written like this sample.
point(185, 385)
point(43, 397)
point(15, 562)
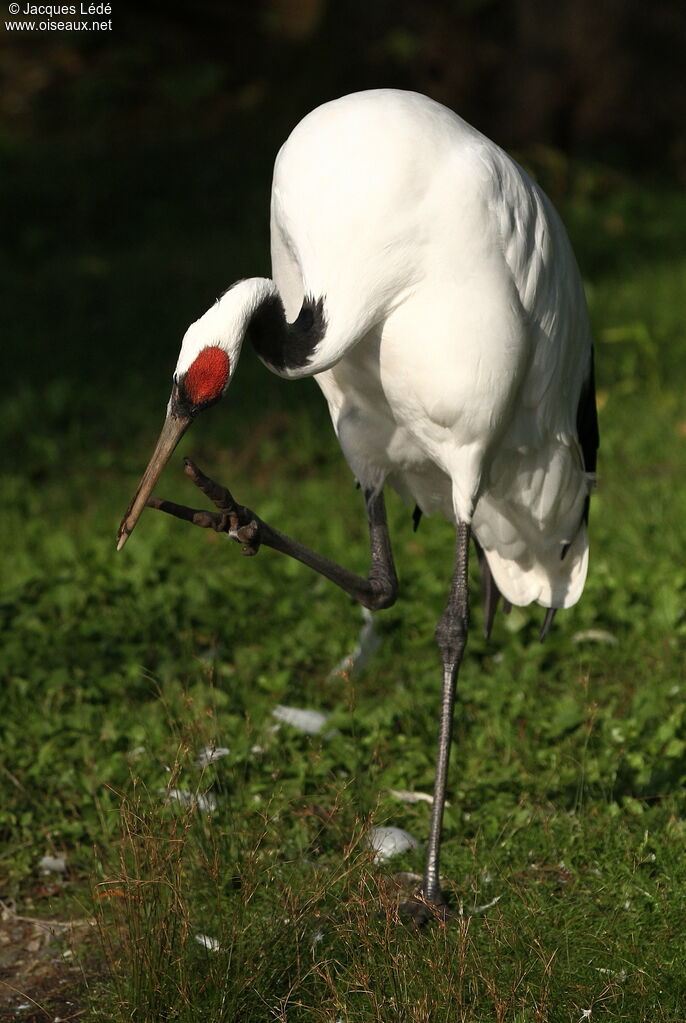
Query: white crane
point(428, 285)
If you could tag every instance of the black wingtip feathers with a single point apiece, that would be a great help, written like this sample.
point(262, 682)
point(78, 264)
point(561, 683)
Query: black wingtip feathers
point(547, 622)
point(490, 594)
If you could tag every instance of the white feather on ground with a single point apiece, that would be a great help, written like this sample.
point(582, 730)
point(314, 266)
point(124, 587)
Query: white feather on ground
point(303, 719)
point(388, 841)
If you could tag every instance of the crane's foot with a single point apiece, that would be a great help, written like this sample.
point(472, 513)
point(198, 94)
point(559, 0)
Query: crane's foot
point(238, 522)
point(418, 911)
point(414, 908)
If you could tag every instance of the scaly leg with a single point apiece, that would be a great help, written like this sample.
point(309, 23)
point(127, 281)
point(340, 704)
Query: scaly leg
point(451, 636)
point(379, 590)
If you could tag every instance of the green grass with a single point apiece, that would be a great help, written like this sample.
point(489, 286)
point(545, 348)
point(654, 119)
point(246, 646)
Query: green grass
point(567, 780)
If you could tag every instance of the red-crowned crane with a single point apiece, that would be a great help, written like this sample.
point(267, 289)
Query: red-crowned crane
point(428, 285)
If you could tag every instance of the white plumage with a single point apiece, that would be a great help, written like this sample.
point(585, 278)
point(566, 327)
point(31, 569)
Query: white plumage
point(459, 333)
point(457, 337)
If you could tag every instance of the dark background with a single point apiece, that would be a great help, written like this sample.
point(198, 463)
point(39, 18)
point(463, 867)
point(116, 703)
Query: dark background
point(594, 78)
point(136, 164)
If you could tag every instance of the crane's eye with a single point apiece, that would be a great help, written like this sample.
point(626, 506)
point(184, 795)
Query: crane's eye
point(206, 377)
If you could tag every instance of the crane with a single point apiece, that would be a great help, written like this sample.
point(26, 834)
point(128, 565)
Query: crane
point(429, 286)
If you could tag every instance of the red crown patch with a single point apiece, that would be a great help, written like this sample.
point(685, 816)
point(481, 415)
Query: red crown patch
point(207, 375)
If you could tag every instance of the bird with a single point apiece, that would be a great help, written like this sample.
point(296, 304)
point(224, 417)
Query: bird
point(427, 283)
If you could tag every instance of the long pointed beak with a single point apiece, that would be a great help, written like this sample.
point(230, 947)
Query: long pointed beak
point(175, 426)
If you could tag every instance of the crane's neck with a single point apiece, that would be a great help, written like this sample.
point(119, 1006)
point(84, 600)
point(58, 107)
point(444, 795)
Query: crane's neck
point(289, 349)
point(253, 310)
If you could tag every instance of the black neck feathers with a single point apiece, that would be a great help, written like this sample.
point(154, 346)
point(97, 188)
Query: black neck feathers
point(284, 345)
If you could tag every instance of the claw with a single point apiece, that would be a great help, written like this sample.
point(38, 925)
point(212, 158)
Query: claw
point(231, 517)
point(219, 495)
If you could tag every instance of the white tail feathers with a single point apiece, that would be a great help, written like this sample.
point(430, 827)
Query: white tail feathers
point(529, 523)
point(543, 576)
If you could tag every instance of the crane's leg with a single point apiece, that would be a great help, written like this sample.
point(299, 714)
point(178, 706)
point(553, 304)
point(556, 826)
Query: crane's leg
point(380, 588)
point(451, 636)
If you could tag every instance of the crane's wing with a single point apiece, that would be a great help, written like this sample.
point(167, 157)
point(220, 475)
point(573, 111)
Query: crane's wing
point(532, 513)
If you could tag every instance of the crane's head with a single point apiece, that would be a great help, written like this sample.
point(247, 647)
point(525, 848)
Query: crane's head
point(206, 363)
